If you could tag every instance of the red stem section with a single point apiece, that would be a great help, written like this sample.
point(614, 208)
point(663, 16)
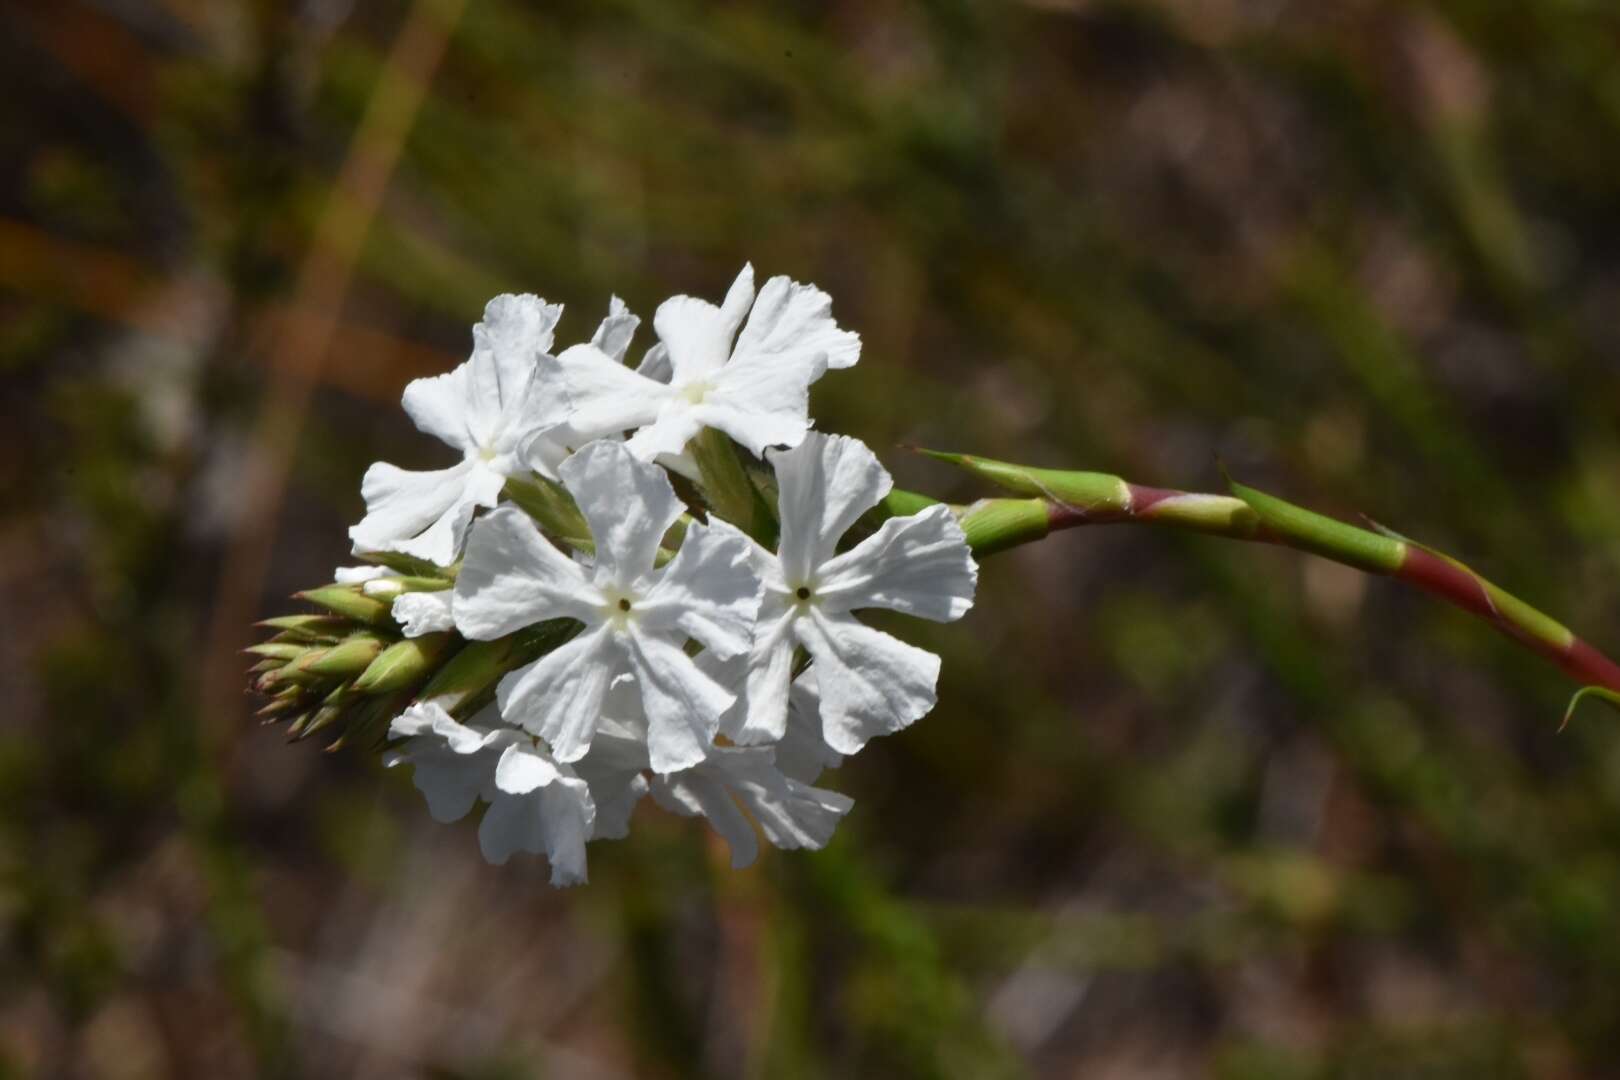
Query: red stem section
point(1459, 586)
point(1428, 571)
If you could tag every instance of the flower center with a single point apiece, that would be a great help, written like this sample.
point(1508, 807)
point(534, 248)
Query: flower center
point(619, 611)
point(802, 592)
point(694, 392)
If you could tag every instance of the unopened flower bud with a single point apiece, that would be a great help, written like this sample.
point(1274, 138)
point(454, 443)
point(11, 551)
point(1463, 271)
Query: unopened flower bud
point(349, 602)
point(403, 663)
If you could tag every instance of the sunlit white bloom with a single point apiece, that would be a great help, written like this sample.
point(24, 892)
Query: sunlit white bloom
point(754, 386)
point(870, 683)
point(616, 771)
point(535, 804)
point(802, 752)
point(359, 575)
point(637, 618)
point(383, 588)
point(421, 613)
point(417, 613)
point(546, 448)
point(489, 408)
point(791, 812)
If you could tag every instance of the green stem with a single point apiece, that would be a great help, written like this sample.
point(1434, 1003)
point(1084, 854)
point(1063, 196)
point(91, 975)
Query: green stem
point(1054, 499)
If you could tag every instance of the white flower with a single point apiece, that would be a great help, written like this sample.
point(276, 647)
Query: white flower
point(421, 613)
point(535, 804)
point(792, 813)
point(548, 447)
point(802, 752)
point(615, 770)
point(417, 613)
point(870, 683)
point(756, 390)
point(637, 619)
point(488, 408)
point(358, 575)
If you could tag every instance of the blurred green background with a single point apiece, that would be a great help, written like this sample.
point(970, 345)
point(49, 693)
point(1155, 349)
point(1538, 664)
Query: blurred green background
point(1185, 809)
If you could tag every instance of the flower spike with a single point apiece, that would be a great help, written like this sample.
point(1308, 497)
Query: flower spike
point(645, 580)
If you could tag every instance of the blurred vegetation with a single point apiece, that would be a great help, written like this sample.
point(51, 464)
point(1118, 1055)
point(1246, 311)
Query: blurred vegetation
point(1185, 809)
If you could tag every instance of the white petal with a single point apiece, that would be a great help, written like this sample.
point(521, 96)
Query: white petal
point(871, 684)
point(770, 672)
point(539, 405)
point(731, 673)
point(676, 426)
point(803, 753)
point(791, 319)
point(513, 577)
point(543, 451)
point(682, 464)
point(762, 401)
point(607, 398)
point(518, 328)
point(515, 332)
point(622, 711)
point(429, 718)
point(698, 334)
point(628, 504)
point(808, 819)
point(559, 696)
point(449, 781)
point(708, 591)
point(919, 565)
point(570, 820)
point(441, 542)
point(421, 613)
point(400, 504)
point(523, 766)
point(793, 815)
point(694, 793)
point(739, 298)
point(450, 767)
point(554, 820)
point(824, 485)
point(382, 588)
point(613, 769)
point(615, 801)
point(357, 575)
point(416, 720)
point(613, 336)
point(440, 406)
point(655, 364)
point(683, 705)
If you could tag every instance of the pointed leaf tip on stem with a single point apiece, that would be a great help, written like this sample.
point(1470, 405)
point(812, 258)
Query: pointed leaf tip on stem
point(1599, 692)
point(1307, 530)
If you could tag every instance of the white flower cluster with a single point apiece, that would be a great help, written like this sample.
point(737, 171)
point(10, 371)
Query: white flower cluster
point(689, 676)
